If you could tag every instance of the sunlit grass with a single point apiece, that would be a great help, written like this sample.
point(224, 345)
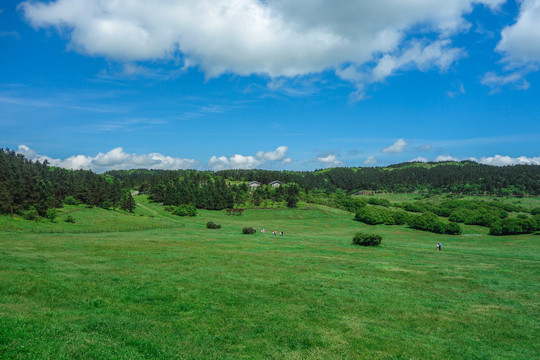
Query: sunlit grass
point(196, 293)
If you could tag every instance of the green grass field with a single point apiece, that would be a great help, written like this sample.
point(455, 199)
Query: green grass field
point(94, 290)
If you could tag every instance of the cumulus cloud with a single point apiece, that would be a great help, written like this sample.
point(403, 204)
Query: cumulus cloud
point(277, 154)
point(234, 162)
point(116, 159)
point(249, 162)
point(499, 160)
point(329, 160)
point(520, 46)
point(445, 158)
point(278, 38)
point(396, 147)
point(520, 42)
point(371, 160)
point(419, 159)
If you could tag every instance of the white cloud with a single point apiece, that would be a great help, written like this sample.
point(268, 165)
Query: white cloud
point(520, 45)
point(116, 159)
point(396, 147)
point(249, 162)
point(278, 38)
point(277, 154)
point(419, 54)
point(520, 42)
point(234, 162)
point(286, 161)
point(496, 82)
point(445, 158)
point(419, 159)
point(499, 160)
point(425, 147)
point(371, 160)
point(330, 160)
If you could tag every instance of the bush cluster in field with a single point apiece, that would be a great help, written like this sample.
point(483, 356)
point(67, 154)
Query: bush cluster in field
point(430, 222)
point(249, 230)
point(212, 225)
point(493, 214)
point(182, 210)
point(377, 215)
point(367, 239)
point(512, 226)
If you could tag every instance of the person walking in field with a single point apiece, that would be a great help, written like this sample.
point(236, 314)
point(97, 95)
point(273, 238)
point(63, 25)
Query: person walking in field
point(439, 247)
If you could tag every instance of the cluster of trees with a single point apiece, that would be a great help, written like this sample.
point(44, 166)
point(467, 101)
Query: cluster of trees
point(494, 214)
point(514, 226)
point(379, 215)
point(207, 191)
point(34, 186)
point(428, 221)
point(198, 189)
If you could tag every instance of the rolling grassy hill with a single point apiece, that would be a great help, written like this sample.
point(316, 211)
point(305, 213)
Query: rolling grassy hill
point(171, 289)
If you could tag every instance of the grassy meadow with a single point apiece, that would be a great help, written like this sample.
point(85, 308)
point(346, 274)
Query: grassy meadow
point(150, 285)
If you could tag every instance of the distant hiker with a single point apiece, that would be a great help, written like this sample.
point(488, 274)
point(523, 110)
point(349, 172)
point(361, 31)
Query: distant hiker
point(281, 233)
point(274, 233)
point(439, 247)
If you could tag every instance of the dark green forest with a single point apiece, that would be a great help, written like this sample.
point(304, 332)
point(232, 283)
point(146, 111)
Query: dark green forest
point(35, 186)
point(464, 177)
point(31, 185)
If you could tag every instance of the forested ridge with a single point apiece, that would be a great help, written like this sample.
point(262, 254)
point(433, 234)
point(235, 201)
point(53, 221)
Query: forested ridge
point(448, 177)
point(26, 184)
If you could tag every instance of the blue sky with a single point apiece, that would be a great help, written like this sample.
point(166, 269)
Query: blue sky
point(275, 84)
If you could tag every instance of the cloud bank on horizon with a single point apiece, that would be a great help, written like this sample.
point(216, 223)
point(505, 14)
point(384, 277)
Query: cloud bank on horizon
point(118, 159)
point(360, 41)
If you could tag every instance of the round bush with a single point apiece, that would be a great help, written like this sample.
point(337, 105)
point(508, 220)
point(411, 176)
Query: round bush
point(70, 219)
point(249, 230)
point(367, 239)
point(212, 225)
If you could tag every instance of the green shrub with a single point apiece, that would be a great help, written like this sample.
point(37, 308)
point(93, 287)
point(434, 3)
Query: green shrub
point(413, 207)
point(380, 202)
point(374, 216)
point(169, 208)
point(452, 229)
point(51, 214)
point(367, 239)
point(370, 215)
point(249, 230)
point(513, 226)
point(212, 225)
point(31, 214)
point(430, 222)
point(185, 210)
point(106, 205)
point(70, 200)
point(70, 219)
